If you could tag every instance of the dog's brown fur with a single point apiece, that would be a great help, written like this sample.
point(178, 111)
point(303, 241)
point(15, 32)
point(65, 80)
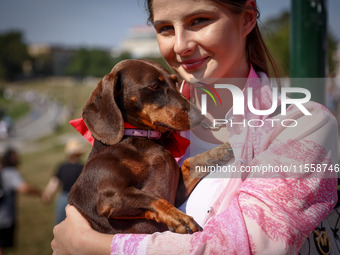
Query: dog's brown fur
point(128, 184)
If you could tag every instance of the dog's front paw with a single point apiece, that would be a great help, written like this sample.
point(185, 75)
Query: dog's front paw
point(185, 168)
point(176, 220)
point(182, 223)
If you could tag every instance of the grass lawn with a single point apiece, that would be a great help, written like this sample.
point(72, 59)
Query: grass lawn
point(36, 220)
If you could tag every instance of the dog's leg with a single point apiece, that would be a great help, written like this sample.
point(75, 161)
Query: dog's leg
point(190, 178)
point(132, 203)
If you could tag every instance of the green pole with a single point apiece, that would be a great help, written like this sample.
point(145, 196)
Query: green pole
point(309, 46)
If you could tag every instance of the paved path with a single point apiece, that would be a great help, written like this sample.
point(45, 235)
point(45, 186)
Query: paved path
point(42, 120)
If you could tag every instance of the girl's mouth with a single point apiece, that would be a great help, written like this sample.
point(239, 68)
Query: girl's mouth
point(192, 64)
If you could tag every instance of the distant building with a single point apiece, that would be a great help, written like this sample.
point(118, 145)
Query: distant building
point(36, 50)
point(141, 42)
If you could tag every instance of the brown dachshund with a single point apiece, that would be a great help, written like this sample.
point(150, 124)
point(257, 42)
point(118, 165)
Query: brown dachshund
point(129, 184)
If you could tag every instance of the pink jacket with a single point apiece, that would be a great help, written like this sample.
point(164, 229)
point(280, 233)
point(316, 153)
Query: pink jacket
point(262, 214)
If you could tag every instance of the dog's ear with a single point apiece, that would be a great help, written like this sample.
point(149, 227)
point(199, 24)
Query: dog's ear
point(101, 113)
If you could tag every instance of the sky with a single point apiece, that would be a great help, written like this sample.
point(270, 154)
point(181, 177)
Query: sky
point(102, 23)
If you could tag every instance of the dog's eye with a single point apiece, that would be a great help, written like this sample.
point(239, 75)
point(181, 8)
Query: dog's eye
point(155, 86)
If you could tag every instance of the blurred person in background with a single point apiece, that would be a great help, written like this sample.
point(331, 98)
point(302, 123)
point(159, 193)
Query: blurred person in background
point(11, 183)
point(65, 176)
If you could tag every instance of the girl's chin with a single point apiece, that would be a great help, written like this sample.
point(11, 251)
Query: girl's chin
point(203, 73)
point(197, 75)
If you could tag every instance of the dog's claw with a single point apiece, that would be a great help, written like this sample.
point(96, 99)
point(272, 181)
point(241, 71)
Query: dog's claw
point(171, 229)
point(189, 230)
point(200, 228)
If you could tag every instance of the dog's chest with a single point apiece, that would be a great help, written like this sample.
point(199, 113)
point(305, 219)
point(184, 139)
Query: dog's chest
point(142, 155)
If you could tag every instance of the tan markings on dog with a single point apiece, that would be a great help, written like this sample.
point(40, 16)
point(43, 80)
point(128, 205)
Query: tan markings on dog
point(174, 77)
point(133, 99)
point(132, 164)
point(170, 116)
point(105, 210)
point(151, 216)
point(161, 78)
point(163, 208)
point(171, 216)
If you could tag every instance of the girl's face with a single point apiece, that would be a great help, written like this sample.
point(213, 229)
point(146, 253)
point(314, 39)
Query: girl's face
point(201, 38)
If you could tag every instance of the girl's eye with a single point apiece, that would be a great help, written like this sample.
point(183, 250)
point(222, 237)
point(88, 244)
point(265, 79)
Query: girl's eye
point(165, 29)
point(199, 20)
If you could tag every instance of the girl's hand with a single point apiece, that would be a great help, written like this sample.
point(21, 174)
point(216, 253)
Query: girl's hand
point(74, 235)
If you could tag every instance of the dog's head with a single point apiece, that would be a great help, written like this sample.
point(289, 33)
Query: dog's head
point(140, 92)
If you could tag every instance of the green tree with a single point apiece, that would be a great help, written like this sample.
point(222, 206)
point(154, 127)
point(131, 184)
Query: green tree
point(331, 58)
point(90, 62)
point(42, 64)
point(78, 66)
point(276, 33)
point(13, 54)
point(123, 55)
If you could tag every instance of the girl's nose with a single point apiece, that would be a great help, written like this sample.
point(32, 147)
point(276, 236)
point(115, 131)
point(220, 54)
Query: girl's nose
point(184, 43)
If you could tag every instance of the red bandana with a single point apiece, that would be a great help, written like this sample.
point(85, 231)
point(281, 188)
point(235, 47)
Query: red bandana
point(177, 147)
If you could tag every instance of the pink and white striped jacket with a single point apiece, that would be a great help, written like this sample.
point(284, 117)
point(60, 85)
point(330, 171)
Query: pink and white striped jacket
point(256, 214)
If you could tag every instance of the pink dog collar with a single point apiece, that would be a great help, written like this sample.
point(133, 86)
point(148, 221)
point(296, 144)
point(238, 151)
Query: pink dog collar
point(177, 146)
point(151, 134)
point(131, 130)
